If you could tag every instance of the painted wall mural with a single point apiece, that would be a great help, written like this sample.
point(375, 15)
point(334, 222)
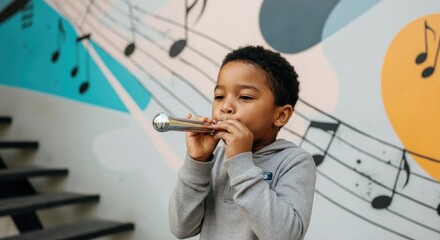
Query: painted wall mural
point(368, 108)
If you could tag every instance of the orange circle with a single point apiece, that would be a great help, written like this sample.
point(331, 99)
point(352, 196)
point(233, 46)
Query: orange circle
point(411, 90)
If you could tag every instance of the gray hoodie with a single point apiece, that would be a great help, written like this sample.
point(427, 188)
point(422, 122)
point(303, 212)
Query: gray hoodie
point(264, 195)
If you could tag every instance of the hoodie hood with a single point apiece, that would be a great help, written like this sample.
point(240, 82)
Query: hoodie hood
point(273, 148)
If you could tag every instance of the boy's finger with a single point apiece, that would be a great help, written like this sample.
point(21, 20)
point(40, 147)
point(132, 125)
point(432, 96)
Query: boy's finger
point(228, 127)
point(221, 135)
point(232, 126)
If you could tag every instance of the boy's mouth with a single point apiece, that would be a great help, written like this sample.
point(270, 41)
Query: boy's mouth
point(222, 120)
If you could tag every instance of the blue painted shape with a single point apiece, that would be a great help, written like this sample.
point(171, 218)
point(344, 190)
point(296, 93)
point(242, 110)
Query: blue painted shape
point(293, 26)
point(345, 12)
point(25, 62)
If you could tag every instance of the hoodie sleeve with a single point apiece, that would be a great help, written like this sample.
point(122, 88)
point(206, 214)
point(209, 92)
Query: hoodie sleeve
point(280, 213)
point(186, 206)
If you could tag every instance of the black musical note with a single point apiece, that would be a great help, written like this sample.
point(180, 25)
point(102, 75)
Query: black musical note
point(131, 46)
point(75, 68)
point(180, 44)
point(27, 15)
point(88, 9)
point(384, 201)
point(430, 70)
point(325, 126)
point(424, 55)
point(60, 39)
point(438, 209)
point(86, 84)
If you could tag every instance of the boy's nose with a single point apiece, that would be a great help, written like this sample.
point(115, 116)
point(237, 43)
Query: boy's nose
point(227, 108)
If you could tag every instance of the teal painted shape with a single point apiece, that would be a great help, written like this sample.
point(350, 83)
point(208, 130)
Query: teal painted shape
point(25, 62)
point(131, 84)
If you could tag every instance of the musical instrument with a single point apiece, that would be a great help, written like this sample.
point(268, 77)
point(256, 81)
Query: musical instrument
point(163, 122)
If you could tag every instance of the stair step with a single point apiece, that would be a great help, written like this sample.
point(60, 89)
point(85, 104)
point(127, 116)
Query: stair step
point(87, 229)
point(5, 120)
point(18, 205)
point(19, 144)
point(27, 172)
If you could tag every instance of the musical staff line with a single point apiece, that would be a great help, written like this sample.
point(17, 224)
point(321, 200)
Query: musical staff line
point(363, 174)
point(343, 123)
point(368, 201)
point(374, 181)
point(146, 71)
point(88, 9)
point(341, 139)
point(59, 7)
point(182, 26)
point(146, 53)
point(195, 50)
point(328, 154)
point(198, 69)
point(368, 135)
point(360, 216)
point(300, 99)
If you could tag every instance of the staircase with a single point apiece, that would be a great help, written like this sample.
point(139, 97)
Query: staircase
point(20, 201)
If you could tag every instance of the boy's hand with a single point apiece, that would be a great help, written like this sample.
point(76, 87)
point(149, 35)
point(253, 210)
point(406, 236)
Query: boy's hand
point(200, 146)
point(237, 137)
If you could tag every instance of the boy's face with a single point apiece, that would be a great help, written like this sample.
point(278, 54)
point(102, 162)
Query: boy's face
point(242, 94)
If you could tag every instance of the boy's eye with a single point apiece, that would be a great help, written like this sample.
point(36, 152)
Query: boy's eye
point(218, 97)
point(246, 97)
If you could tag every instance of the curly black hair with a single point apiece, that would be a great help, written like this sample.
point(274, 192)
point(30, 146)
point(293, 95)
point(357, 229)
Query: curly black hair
point(281, 75)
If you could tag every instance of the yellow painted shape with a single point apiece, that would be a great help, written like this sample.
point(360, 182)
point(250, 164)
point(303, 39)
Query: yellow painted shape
point(412, 102)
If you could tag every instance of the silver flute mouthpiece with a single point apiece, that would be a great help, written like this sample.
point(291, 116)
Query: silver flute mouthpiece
point(162, 122)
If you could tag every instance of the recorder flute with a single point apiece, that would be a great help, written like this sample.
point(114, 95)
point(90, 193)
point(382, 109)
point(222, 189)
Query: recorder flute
point(163, 122)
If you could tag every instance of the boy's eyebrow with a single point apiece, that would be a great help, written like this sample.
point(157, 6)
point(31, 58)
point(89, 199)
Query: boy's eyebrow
point(241, 86)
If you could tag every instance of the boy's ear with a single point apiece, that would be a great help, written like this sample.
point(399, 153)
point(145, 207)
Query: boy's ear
point(283, 115)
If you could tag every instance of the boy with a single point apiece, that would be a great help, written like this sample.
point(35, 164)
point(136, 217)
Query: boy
point(253, 186)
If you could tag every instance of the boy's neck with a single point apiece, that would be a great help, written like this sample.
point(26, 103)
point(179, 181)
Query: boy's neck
point(257, 146)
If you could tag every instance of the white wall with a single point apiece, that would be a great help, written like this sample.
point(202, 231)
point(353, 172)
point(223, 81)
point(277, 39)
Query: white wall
point(356, 74)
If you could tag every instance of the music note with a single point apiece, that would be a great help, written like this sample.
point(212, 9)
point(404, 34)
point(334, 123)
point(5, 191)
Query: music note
point(75, 68)
point(438, 209)
point(86, 14)
point(180, 44)
point(325, 126)
point(430, 70)
point(27, 15)
point(424, 55)
point(131, 46)
point(384, 201)
point(62, 32)
point(86, 84)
